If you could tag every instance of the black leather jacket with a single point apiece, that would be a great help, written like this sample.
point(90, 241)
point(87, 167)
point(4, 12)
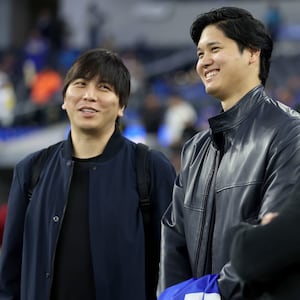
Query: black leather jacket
point(241, 168)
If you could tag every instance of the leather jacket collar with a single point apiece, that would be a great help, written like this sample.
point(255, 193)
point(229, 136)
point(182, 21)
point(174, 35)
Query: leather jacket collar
point(238, 112)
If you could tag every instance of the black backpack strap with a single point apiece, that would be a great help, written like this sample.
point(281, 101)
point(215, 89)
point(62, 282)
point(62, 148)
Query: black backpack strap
point(37, 169)
point(143, 181)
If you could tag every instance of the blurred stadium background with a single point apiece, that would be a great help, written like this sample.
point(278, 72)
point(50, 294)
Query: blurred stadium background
point(40, 39)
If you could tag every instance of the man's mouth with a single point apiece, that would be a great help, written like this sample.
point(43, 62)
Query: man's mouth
point(88, 110)
point(210, 74)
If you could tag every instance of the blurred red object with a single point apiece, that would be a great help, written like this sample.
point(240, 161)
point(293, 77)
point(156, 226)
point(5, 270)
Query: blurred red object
point(3, 213)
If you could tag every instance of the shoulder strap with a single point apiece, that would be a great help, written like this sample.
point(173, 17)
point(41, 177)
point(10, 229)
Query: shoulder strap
point(37, 169)
point(143, 182)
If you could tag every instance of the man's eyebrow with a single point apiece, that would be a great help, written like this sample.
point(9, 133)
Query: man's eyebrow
point(213, 43)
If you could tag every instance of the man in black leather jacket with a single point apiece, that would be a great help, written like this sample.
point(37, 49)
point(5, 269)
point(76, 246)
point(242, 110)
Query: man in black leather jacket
point(243, 166)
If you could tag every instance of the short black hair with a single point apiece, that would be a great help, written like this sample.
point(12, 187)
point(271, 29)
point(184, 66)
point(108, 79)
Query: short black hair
point(104, 65)
point(239, 25)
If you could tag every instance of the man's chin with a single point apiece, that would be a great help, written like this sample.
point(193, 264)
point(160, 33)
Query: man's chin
point(89, 129)
point(211, 90)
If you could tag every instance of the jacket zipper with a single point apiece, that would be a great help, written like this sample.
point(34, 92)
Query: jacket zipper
point(203, 223)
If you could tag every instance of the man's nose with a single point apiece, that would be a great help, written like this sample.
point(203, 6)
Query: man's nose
point(205, 60)
point(90, 93)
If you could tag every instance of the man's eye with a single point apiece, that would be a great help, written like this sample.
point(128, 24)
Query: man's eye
point(104, 86)
point(79, 83)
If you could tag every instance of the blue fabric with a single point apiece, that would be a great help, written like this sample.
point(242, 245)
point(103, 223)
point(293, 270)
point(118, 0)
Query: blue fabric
point(203, 288)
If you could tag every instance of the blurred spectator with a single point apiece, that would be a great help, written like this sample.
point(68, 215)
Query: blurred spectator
point(273, 19)
point(65, 58)
point(285, 95)
point(7, 92)
point(293, 83)
point(7, 101)
point(10, 65)
point(137, 73)
point(96, 20)
point(36, 50)
point(45, 93)
point(45, 85)
point(51, 28)
point(152, 114)
point(180, 116)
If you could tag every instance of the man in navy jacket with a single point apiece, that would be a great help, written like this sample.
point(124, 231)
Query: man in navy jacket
point(81, 235)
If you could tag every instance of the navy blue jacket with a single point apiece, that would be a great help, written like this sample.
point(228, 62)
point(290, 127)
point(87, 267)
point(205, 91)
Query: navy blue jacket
point(115, 222)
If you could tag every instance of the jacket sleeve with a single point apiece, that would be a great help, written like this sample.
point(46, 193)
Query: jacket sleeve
point(281, 172)
point(11, 252)
point(174, 260)
point(162, 181)
point(282, 168)
point(261, 253)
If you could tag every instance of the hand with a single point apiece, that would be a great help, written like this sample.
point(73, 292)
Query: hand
point(267, 218)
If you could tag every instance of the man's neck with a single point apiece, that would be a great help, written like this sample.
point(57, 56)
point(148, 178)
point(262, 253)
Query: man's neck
point(89, 145)
point(229, 102)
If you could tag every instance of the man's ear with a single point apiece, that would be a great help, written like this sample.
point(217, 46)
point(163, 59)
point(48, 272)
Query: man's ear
point(254, 55)
point(63, 106)
point(121, 111)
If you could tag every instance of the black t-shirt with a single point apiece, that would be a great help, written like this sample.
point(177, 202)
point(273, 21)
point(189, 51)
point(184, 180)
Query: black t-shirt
point(73, 272)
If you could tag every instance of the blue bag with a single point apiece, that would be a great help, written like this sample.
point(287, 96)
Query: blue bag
point(203, 288)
